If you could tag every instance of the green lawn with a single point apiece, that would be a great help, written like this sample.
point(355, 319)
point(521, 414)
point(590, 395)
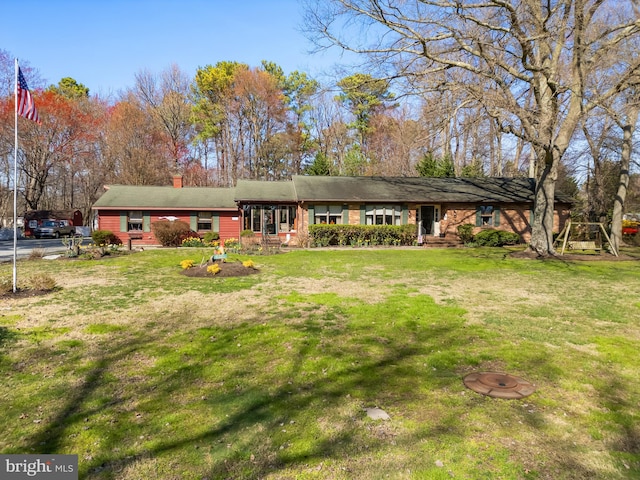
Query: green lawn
point(146, 373)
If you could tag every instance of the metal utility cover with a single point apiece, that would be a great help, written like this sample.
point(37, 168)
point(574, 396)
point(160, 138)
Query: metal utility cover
point(499, 385)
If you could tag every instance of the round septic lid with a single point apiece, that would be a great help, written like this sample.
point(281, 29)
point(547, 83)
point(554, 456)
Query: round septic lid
point(499, 385)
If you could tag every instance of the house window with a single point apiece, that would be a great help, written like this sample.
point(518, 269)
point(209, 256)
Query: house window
point(134, 220)
point(252, 218)
point(485, 216)
point(269, 219)
point(383, 215)
point(331, 214)
point(287, 217)
point(269, 216)
point(204, 221)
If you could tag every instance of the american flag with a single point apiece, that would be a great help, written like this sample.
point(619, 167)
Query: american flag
point(25, 107)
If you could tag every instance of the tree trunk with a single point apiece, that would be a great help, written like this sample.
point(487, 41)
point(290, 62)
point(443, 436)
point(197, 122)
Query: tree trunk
point(623, 183)
point(542, 225)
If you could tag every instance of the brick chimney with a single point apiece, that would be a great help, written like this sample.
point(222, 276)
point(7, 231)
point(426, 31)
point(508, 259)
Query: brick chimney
point(177, 181)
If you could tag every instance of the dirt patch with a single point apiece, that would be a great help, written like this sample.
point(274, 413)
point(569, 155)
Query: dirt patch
point(227, 269)
point(24, 293)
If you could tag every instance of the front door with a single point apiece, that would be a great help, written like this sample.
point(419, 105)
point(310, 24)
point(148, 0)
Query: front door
point(427, 217)
point(269, 225)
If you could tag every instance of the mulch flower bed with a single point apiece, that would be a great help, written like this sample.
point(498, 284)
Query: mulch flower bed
point(24, 293)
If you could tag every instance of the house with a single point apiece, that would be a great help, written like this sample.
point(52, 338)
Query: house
point(437, 206)
point(128, 211)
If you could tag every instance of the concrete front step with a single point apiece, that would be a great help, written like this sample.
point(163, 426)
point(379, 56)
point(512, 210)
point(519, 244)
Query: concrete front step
point(440, 242)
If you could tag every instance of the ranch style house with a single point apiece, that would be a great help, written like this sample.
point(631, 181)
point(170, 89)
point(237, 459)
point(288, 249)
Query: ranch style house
point(285, 209)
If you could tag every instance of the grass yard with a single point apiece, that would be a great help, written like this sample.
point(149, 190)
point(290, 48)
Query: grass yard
point(149, 374)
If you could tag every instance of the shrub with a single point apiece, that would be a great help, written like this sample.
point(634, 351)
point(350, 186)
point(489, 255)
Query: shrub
point(328, 234)
point(37, 254)
point(247, 233)
point(171, 234)
point(105, 237)
point(496, 238)
point(41, 282)
point(465, 232)
point(211, 237)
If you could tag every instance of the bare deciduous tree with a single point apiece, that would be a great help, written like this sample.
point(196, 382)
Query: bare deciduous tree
point(510, 51)
point(166, 99)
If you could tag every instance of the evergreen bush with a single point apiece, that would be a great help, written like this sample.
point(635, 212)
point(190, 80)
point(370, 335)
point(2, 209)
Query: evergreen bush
point(496, 238)
point(465, 232)
point(211, 237)
point(105, 237)
point(324, 235)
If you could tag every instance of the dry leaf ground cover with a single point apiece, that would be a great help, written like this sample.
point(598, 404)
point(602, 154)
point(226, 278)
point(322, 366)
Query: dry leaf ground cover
point(147, 373)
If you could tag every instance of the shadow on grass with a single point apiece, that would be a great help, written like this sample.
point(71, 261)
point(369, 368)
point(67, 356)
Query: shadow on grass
point(323, 373)
point(6, 336)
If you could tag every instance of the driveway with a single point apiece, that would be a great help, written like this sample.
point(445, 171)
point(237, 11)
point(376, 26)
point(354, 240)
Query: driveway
point(50, 246)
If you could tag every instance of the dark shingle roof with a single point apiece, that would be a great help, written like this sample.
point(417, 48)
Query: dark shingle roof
point(148, 197)
point(260, 191)
point(413, 189)
point(325, 189)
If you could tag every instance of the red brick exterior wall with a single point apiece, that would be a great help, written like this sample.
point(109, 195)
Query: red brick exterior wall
point(229, 227)
point(514, 218)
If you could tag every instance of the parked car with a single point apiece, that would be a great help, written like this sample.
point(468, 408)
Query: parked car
point(54, 229)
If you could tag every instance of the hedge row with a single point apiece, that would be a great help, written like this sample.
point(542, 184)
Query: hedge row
point(323, 235)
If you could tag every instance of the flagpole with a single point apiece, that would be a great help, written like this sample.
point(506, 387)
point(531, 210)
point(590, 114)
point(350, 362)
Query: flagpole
point(15, 186)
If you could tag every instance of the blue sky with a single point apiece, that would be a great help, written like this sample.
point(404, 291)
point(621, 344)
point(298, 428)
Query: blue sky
point(104, 43)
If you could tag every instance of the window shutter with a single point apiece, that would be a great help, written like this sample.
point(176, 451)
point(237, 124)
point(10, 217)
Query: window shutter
point(146, 221)
point(215, 222)
point(123, 221)
point(345, 214)
point(193, 221)
point(312, 214)
point(531, 216)
point(478, 216)
point(405, 214)
point(496, 217)
point(363, 214)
